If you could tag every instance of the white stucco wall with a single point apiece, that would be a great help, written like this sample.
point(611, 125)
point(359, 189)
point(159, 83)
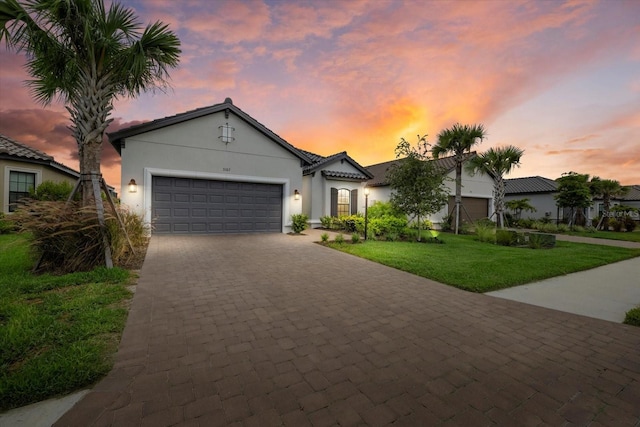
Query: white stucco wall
point(192, 149)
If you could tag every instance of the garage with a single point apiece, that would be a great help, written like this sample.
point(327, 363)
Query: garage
point(472, 208)
point(200, 206)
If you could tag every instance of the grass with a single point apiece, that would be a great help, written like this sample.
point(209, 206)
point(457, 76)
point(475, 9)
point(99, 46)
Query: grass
point(481, 267)
point(634, 236)
point(57, 333)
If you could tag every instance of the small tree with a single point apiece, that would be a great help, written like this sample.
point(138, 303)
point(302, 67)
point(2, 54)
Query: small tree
point(573, 193)
point(518, 206)
point(417, 185)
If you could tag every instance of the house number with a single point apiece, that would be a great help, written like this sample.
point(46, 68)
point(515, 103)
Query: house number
point(226, 169)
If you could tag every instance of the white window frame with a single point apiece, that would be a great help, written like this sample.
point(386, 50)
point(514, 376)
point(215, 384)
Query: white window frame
point(7, 174)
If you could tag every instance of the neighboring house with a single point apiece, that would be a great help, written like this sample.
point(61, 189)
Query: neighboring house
point(540, 192)
point(477, 190)
point(23, 168)
point(632, 198)
point(218, 170)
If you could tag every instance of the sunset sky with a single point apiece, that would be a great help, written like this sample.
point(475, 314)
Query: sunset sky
point(560, 80)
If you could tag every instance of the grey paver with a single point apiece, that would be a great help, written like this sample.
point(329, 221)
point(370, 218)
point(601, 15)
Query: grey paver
point(274, 329)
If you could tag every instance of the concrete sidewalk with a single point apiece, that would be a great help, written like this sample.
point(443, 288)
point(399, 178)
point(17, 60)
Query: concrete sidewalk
point(606, 292)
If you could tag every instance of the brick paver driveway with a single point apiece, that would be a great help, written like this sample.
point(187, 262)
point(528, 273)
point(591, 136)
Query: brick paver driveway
point(275, 330)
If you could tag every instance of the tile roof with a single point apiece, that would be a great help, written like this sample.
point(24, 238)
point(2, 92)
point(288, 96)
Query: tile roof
point(319, 161)
point(10, 148)
point(633, 195)
point(379, 170)
point(531, 184)
point(14, 148)
point(344, 175)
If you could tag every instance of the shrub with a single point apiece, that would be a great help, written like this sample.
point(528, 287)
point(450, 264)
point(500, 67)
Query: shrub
point(563, 228)
point(485, 232)
point(548, 228)
point(339, 239)
point(68, 238)
point(382, 209)
point(540, 240)
point(446, 224)
point(590, 229)
point(137, 231)
point(506, 237)
point(425, 224)
point(629, 223)
point(387, 225)
point(576, 228)
point(298, 223)
point(52, 191)
point(6, 224)
point(326, 221)
point(324, 237)
point(615, 224)
point(632, 317)
point(355, 238)
point(353, 223)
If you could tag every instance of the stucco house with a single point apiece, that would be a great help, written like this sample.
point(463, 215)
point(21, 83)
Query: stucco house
point(23, 168)
point(218, 170)
point(540, 191)
point(477, 190)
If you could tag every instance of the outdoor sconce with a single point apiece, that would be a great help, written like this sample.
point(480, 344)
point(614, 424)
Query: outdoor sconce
point(133, 187)
point(296, 194)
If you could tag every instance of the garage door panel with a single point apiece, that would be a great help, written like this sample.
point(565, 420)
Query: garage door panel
point(184, 205)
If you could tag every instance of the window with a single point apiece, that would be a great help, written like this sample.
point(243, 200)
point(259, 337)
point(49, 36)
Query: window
point(19, 185)
point(344, 197)
point(226, 133)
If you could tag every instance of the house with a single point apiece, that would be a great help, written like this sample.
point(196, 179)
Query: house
point(477, 190)
point(632, 199)
point(541, 193)
point(23, 168)
point(218, 170)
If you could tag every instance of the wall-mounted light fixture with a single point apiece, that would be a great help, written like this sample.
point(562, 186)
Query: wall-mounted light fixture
point(133, 187)
point(296, 194)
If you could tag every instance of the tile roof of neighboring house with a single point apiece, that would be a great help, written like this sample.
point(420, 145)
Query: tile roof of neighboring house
point(12, 149)
point(319, 161)
point(379, 170)
point(528, 185)
point(633, 195)
point(116, 138)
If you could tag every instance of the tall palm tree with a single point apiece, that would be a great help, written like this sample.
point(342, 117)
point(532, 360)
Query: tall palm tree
point(607, 189)
point(87, 56)
point(497, 162)
point(458, 140)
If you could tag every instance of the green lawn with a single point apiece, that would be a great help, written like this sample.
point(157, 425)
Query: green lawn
point(57, 333)
point(481, 267)
point(634, 236)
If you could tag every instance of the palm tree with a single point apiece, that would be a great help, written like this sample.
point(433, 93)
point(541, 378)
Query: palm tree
point(87, 56)
point(607, 189)
point(457, 140)
point(497, 162)
point(520, 205)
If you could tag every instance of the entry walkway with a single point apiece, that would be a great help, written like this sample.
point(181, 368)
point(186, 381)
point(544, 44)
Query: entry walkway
point(275, 330)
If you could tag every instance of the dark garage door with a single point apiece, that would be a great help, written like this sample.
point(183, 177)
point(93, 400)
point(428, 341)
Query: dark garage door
point(199, 206)
point(473, 208)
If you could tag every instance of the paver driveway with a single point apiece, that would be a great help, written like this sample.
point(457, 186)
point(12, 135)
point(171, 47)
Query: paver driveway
point(275, 330)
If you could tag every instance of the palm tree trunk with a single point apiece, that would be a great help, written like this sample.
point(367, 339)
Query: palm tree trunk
point(89, 117)
point(458, 191)
point(499, 200)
